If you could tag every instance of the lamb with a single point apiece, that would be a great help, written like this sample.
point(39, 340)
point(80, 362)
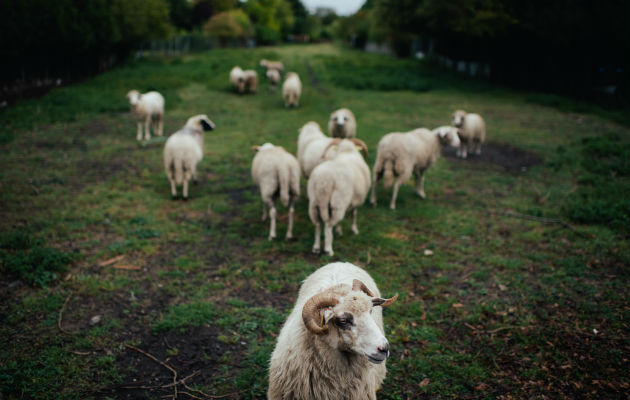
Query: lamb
point(237, 79)
point(471, 130)
point(147, 107)
point(183, 150)
point(268, 65)
point(251, 80)
point(291, 90)
point(311, 144)
point(404, 154)
point(277, 173)
point(274, 78)
point(337, 186)
point(332, 346)
point(342, 124)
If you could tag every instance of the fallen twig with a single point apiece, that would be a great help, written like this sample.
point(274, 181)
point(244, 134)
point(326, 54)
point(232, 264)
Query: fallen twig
point(159, 362)
point(111, 261)
point(63, 307)
point(127, 267)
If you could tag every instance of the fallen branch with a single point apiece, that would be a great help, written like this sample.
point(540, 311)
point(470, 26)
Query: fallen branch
point(111, 261)
point(63, 307)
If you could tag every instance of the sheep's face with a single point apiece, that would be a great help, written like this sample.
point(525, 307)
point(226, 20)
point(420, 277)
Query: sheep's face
point(133, 96)
point(200, 122)
point(353, 328)
point(458, 118)
point(448, 136)
point(339, 118)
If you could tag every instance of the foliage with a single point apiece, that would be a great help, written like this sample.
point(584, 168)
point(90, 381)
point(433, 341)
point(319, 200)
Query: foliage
point(273, 19)
point(23, 257)
point(233, 25)
point(41, 36)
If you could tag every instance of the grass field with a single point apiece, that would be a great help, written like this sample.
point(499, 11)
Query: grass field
point(525, 295)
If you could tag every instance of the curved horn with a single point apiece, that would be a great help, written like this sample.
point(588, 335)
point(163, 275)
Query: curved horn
point(331, 144)
point(361, 143)
point(358, 285)
point(311, 309)
point(377, 301)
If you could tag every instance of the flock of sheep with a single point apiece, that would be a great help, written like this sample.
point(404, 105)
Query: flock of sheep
point(332, 345)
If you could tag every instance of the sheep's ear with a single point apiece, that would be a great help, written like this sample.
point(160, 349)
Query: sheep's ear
point(255, 148)
point(207, 126)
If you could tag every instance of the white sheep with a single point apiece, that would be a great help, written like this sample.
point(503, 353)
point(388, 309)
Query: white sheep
point(237, 79)
point(183, 150)
point(277, 174)
point(268, 65)
point(333, 345)
point(400, 155)
point(251, 80)
point(274, 78)
point(292, 90)
point(472, 132)
point(342, 124)
point(311, 144)
point(147, 107)
point(337, 186)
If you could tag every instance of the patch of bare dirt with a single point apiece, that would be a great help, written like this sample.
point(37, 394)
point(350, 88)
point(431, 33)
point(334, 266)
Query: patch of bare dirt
point(511, 158)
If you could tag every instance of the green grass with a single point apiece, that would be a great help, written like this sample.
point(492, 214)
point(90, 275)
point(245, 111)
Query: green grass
point(503, 307)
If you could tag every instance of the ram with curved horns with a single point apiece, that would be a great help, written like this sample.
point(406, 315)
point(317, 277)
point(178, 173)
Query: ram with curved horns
point(332, 345)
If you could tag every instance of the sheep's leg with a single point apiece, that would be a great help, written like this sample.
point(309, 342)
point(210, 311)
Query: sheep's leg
point(459, 150)
point(464, 147)
point(339, 230)
point(328, 238)
point(354, 228)
point(392, 204)
point(478, 148)
point(290, 227)
point(420, 184)
point(185, 189)
point(147, 123)
point(139, 136)
point(272, 217)
point(173, 188)
point(318, 232)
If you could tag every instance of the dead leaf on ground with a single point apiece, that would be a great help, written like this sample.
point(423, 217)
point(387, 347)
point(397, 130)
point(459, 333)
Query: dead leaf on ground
point(424, 382)
point(457, 305)
point(127, 267)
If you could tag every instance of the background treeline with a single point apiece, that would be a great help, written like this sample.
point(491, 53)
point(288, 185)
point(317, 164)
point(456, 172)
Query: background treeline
point(574, 47)
point(43, 40)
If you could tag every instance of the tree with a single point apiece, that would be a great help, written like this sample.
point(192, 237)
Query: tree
point(229, 26)
point(273, 19)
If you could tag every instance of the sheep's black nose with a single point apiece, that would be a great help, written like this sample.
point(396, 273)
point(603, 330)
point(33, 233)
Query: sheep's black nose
point(384, 349)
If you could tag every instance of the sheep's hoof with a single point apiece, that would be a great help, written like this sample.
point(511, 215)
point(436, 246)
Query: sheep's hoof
point(185, 198)
point(316, 250)
point(174, 197)
point(422, 195)
point(392, 206)
point(271, 238)
point(329, 253)
point(355, 230)
point(373, 202)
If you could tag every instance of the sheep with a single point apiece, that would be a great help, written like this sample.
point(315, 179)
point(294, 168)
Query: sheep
point(342, 124)
point(333, 345)
point(268, 65)
point(251, 80)
point(147, 107)
point(337, 186)
point(277, 173)
point(292, 90)
point(404, 154)
point(237, 79)
point(311, 144)
point(183, 150)
point(471, 130)
point(274, 78)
